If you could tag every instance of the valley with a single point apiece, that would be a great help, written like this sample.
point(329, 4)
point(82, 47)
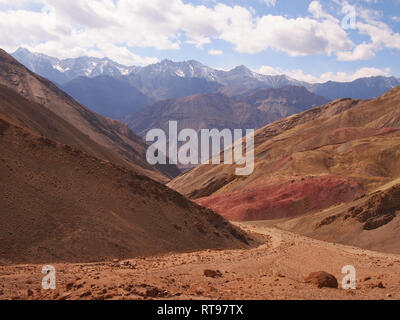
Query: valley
point(77, 190)
point(276, 270)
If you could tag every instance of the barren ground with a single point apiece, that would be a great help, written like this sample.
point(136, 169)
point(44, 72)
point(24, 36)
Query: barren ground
point(275, 270)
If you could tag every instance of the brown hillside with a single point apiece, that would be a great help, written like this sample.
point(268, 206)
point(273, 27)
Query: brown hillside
point(60, 204)
point(307, 162)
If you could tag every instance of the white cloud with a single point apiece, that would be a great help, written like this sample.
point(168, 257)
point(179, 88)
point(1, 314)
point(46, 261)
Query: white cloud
point(83, 25)
point(106, 27)
point(380, 34)
point(297, 37)
point(298, 74)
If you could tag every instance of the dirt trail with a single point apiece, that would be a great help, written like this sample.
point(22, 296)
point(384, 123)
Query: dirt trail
point(275, 270)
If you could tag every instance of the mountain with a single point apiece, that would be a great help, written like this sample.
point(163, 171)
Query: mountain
point(60, 204)
point(307, 162)
point(160, 81)
point(218, 111)
point(99, 136)
point(108, 96)
point(62, 71)
point(169, 80)
point(282, 102)
point(365, 88)
point(195, 112)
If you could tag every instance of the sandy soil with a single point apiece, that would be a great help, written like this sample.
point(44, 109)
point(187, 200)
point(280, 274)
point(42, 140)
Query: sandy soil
point(275, 270)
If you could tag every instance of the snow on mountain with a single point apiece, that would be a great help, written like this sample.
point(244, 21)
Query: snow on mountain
point(62, 71)
point(154, 80)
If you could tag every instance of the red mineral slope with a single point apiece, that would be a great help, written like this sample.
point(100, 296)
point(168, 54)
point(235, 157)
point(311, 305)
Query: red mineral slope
point(288, 199)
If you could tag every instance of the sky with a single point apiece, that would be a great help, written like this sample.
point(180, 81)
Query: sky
point(309, 40)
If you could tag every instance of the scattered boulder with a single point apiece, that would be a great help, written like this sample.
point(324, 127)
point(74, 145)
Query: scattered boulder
point(323, 280)
point(213, 273)
point(85, 294)
point(69, 286)
point(153, 292)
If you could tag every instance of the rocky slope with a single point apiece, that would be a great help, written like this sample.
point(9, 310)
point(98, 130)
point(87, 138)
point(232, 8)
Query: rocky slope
point(371, 221)
point(59, 204)
point(307, 162)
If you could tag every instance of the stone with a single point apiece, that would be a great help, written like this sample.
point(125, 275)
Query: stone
point(213, 273)
point(323, 280)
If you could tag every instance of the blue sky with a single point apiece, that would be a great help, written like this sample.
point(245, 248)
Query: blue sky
point(302, 38)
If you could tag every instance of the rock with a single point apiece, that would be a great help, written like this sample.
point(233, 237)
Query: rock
point(86, 294)
point(153, 292)
point(65, 296)
point(213, 273)
point(69, 286)
point(322, 279)
point(380, 285)
point(367, 279)
point(29, 292)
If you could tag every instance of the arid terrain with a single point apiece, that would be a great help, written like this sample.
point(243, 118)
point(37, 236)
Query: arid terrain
point(306, 162)
point(77, 193)
point(274, 270)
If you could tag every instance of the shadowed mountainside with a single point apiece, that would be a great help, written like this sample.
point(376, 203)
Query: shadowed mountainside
point(250, 111)
point(108, 96)
point(59, 204)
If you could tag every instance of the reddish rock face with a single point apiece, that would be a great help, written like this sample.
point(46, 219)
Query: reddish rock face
point(288, 199)
point(323, 280)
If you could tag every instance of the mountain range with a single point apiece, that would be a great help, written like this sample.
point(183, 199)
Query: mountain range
point(170, 80)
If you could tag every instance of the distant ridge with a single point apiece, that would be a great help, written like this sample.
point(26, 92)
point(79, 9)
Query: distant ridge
point(168, 79)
